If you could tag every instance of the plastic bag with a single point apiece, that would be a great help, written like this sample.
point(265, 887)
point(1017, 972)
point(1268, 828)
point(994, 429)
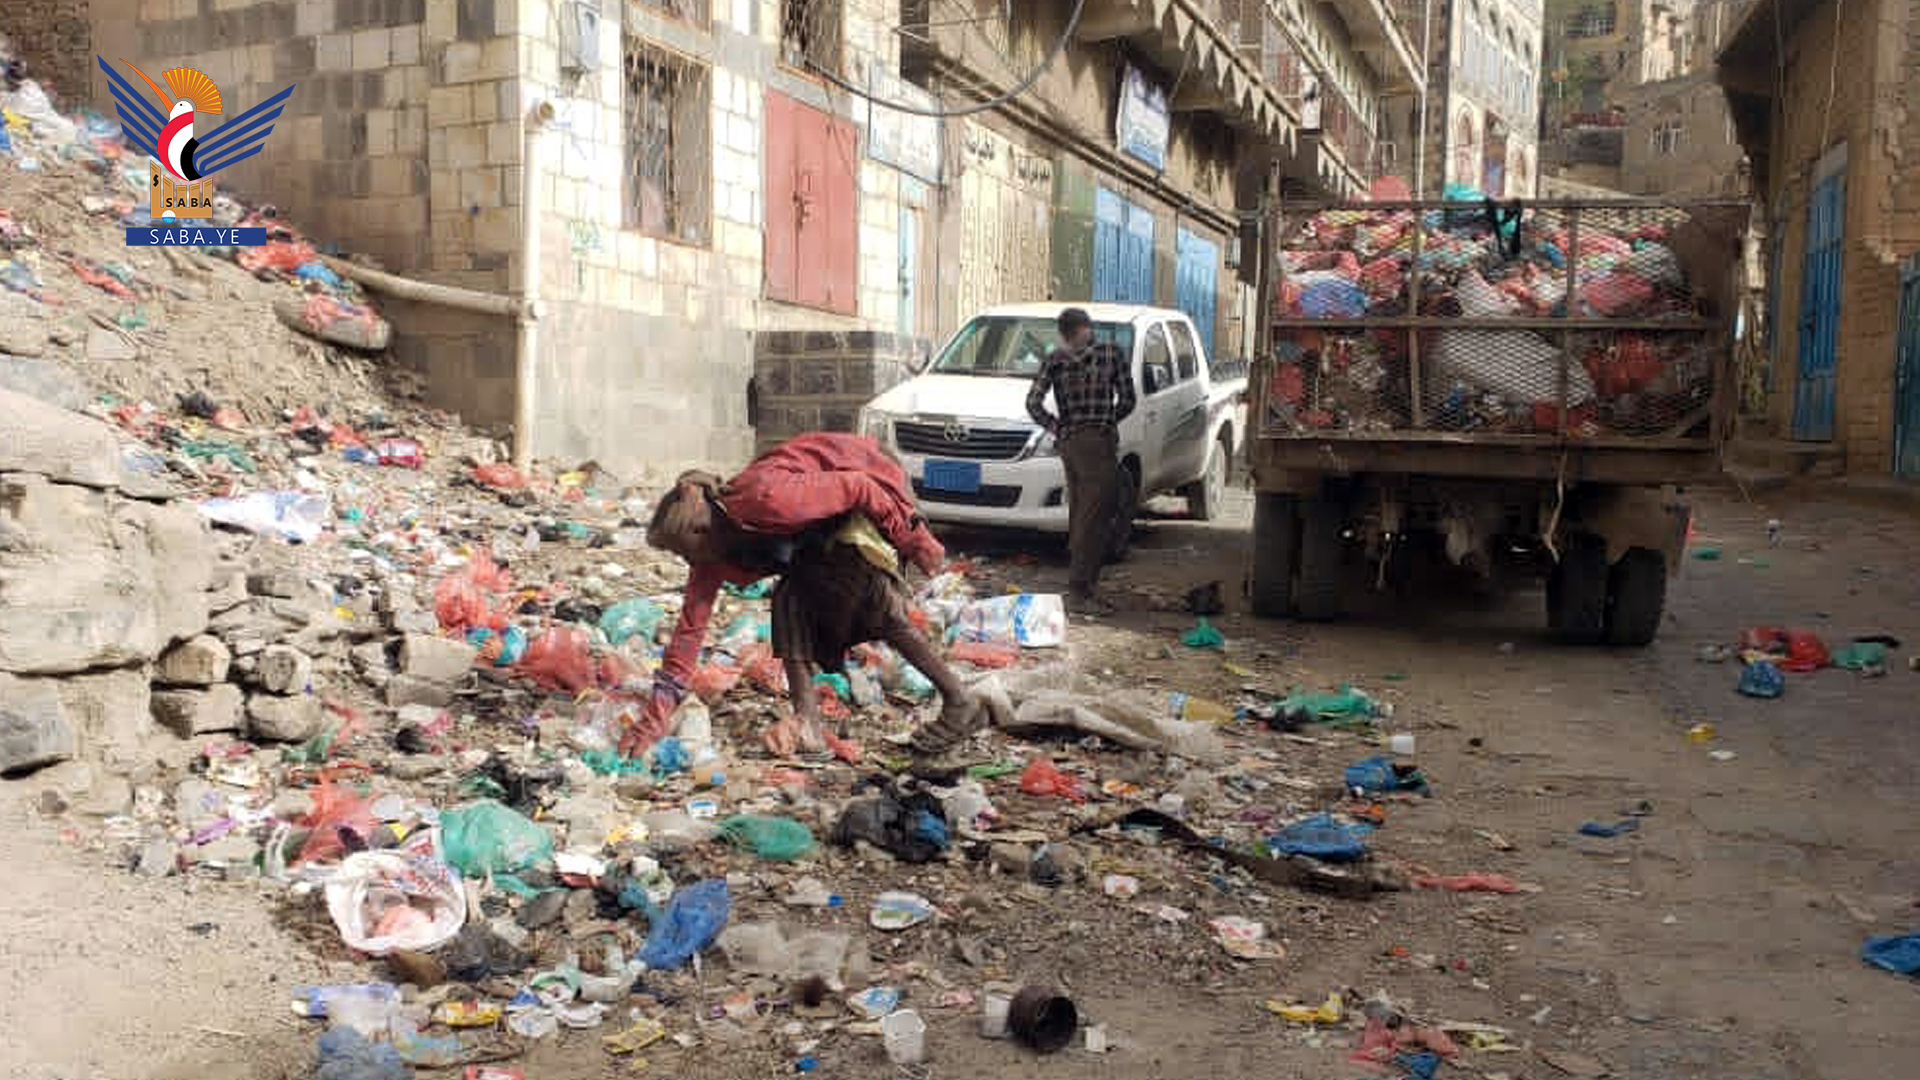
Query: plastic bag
point(1797, 651)
point(1041, 778)
point(1345, 703)
point(297, 516)
point(1380, 774)
point(635, 617)
point(1321, 837)
point(560, 658)
point(1861, 655)
point(500, 476)
point(911, 827)
point(776, 838)
point(1761, 679)
point(1332, 298)
point(386, 900)
point(345, 1054)
point(764, 670)
point(1899, 954)
point(474, 596)
point(485, 837)
point(984, 654)
point(712, 681)
point(1203, 636)
point(334, 808)
point(1030, 620)
point(692, 919)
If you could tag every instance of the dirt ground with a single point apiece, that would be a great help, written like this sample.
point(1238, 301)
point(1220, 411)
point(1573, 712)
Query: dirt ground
point(1720, 940)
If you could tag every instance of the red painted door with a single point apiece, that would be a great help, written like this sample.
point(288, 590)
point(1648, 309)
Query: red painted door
point(781, 246)
point(813, 213)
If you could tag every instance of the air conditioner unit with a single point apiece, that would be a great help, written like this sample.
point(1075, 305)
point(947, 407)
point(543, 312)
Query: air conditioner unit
point(580, 37)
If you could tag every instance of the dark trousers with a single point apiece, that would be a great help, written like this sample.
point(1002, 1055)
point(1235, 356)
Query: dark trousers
point(1092, 459)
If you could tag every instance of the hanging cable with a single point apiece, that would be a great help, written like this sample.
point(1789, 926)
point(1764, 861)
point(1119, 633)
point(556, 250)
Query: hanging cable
point(1073, 23)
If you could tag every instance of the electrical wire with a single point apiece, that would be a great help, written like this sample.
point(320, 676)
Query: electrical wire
point(1060, 46)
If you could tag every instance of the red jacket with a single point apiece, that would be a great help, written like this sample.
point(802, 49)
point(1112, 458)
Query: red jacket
point(804, 481)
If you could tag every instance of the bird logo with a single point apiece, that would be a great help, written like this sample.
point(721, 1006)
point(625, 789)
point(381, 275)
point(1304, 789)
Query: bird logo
point(183, 159)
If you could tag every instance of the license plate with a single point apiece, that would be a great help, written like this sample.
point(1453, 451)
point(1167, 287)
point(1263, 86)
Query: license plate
point(959, 477)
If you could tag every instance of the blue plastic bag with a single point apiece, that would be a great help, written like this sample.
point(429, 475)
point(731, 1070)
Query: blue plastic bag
point(1607, 832)
point(1321, 837)
point(691, 921)
point(1761, 679)
point(1332, 299)
point(637, 617)
point(345, 1054)
point(1377, 774)
point(1899, 954)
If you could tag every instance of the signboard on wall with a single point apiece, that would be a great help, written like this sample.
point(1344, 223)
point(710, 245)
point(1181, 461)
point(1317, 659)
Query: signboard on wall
point(905, 141)
point(1141, 124)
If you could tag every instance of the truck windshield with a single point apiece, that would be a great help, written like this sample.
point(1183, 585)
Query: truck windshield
point(1007, 346)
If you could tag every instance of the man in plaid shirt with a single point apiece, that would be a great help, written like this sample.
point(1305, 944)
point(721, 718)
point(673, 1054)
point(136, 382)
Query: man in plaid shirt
point(1093, 392)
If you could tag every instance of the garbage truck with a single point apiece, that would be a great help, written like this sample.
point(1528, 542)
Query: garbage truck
point(1518, 390)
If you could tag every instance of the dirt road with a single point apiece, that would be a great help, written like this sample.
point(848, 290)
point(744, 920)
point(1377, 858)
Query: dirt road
point(1718, 940)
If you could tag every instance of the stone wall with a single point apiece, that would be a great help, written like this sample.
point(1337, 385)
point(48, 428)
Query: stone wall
point(55, 39)
point(818, 380)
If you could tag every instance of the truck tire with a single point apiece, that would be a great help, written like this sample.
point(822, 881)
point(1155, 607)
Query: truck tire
point(1636, 595)
point(1577, 592)
point(1316, 593)
point(1276, 536)
point(1126, 505)
point(1207, 495)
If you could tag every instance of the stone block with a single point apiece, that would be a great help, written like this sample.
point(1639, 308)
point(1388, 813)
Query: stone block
point(227, 590)
point(112, 713)
point(187, 713)
point(435, 659)
point(258, 622)
point(283, 719)
point(283, 669)
point(403, 690)
point(34, 729)
point(63, 446)
point(198, 661)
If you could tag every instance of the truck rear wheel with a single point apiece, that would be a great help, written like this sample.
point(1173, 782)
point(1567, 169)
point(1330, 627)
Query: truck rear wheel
point(1577, 592)
point(1636, 596)
point(1276, 536)
point(1206, 495)
point(1316, 595)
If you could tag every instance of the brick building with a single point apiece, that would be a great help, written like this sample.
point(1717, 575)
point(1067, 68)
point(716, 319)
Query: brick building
point(729, 236)
point(1829, 127)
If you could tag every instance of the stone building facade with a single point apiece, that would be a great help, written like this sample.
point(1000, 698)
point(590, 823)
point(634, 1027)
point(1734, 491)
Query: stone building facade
point(1482, 108)
point(1831, 128)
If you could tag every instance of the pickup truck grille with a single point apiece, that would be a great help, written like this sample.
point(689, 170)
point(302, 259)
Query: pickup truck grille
point(956, 439)
point(996, 496)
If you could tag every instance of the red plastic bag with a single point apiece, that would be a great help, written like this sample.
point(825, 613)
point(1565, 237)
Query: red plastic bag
point(1619, 293)
point(560, 658)
point(1381, 278)
point(984, 654)
point(335, 808)
point(764, 670)
point(1798, 650)
point(1496, 883)
point(502, 476)
point(1379, 1043)
point(711, 682)
point(475, 595)
point(1041, 778)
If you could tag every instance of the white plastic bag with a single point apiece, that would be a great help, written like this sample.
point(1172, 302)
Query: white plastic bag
point(386, 900)
point(290, 515)
point(1515, 364)
point(1030, 620)
point(1135, 719)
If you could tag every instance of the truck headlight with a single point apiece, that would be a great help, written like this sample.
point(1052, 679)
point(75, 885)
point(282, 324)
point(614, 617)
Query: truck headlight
point(877, 425)
point(1044, 446)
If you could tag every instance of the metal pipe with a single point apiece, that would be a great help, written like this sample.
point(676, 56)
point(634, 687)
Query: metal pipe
point(484, 303)
point(1426, 91)
point(525, 351)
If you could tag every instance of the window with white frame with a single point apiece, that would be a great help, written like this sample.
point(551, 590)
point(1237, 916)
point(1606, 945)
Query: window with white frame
point(1666, 137)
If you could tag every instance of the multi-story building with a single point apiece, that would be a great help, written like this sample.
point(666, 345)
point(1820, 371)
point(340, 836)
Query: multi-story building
point(751, 214)
point(1823, 103)
point(1481, 112)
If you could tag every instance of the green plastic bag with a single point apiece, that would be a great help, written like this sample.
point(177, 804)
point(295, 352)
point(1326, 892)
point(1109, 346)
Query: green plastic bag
point(1861, 655)
point(1203, 636)
point(756, 591)
point(638, 617)
point(485, 837)
point(1346, 703)
point(776, 838)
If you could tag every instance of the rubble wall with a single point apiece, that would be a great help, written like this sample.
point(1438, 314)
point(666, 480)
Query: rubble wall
point(817, 381)
point(55, 38)
point(1869, 284)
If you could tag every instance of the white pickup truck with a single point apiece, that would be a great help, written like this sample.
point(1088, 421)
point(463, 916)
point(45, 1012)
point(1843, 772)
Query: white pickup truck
point(961, 426)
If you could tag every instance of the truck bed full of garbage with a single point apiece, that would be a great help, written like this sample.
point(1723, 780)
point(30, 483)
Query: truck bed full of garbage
point(1582, 320)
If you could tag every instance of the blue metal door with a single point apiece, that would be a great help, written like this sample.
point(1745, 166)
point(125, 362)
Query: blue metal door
point(1122, 250)
point(1196, 284)
point(1820, 304)
point(1906, 393)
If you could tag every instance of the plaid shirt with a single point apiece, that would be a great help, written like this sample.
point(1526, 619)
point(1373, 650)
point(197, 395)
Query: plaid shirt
point(1092, 389)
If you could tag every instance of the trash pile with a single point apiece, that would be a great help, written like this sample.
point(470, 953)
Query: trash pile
point(1483, 267)
point(1768, 653)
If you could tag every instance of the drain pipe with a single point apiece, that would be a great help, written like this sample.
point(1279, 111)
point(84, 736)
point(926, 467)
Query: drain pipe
point(525, 354)
point(1426, 90)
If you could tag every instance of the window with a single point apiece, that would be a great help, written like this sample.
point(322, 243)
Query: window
point(1593, 21)
point(1001, 345)
point(1666, 137)
point(668, 103)
point(810, 34)
point(1186, 358)
point(688, 11)
point(1156, 362)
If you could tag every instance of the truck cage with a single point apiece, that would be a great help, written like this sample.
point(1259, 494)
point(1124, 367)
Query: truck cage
point(1565, 324)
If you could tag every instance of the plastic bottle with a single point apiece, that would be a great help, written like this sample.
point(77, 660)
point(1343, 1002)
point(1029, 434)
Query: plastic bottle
point(1197, 710)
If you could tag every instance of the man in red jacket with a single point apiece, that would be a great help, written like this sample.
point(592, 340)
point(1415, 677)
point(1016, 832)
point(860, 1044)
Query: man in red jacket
point(827, 513)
